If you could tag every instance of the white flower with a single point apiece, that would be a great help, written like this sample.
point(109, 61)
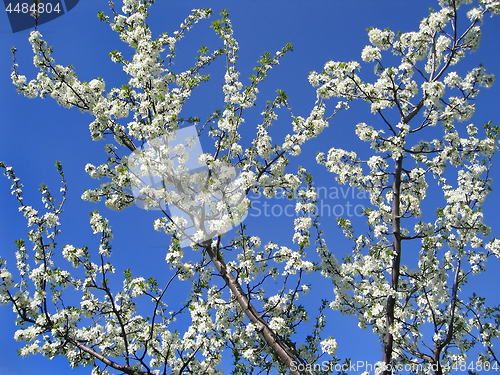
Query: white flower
point(329, 346)
point(371, 53)
point(381, 39)
point(452, 79)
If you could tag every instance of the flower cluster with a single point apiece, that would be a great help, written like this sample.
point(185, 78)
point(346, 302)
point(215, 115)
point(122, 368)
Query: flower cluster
point(404, 276)
point(146, 111)
point(379, 282)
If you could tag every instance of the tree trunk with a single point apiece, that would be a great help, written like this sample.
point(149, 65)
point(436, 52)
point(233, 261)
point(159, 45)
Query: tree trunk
point(396, 261)
point(281, 350)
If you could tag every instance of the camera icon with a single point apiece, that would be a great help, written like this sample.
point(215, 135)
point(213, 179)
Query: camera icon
point(202, 197)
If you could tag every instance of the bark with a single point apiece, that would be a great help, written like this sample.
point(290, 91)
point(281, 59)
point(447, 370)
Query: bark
point(396, 261)
point(125, 369)
point(274, 342)
point(449, 335)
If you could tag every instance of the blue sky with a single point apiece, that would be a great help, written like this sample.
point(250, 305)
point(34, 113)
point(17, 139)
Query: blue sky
point(35, 133)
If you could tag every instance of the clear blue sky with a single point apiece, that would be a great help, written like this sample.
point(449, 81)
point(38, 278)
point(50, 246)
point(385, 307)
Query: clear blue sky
point(35, 133)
